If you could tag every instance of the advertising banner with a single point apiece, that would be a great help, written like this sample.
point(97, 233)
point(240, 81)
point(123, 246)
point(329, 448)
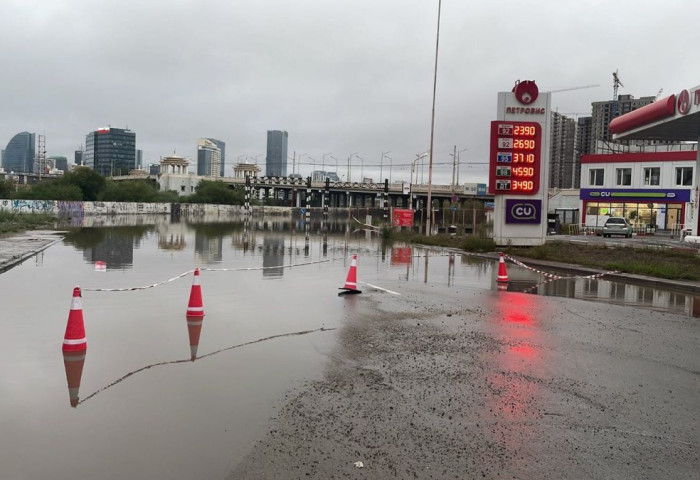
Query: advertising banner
point(403, 217)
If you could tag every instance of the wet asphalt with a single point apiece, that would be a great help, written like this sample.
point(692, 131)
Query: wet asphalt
point(487, 384)
point(440, 383)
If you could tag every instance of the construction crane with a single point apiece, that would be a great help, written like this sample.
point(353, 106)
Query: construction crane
point(577, 114)
point(616, 84)
point(573, 88)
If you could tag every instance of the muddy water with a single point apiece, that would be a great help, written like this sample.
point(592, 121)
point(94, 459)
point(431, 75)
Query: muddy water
point(143, 408)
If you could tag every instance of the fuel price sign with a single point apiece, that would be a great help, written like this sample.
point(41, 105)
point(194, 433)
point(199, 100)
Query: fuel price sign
point(514, 163)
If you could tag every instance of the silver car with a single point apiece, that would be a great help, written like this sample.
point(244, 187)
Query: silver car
point(617, 226)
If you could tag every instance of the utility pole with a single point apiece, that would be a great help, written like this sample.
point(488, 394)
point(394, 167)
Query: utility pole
point(454, 168)
point(432, 129)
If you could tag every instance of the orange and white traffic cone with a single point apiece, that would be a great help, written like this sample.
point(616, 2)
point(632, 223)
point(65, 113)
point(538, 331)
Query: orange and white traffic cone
point(74, 362)
point(195, 307)
point(502, 272)
point(194, 329)
point(351, 280)
point(74, 340)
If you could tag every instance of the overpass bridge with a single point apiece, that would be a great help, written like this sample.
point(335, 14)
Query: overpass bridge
point(293, 191)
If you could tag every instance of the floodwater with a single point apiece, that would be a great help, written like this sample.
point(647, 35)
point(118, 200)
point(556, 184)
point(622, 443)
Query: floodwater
point(155, 397)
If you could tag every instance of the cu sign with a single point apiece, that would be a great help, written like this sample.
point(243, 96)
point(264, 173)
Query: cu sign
point(523, 211)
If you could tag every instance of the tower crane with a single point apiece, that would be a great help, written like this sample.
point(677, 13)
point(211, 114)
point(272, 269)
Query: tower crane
point(577, 114)
point(573, 88)
point(616, 84)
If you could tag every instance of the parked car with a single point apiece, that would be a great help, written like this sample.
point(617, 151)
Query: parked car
point(617, 226)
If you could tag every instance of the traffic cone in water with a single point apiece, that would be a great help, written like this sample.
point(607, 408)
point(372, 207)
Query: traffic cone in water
point(351, 280)
point(194, 329)
point(502, 273)
point(74, 362)
point(195, 307)
point(74, 340)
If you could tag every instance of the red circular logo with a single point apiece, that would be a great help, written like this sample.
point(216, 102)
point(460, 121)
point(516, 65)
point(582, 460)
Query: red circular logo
point(526, 91)
point(683, 102)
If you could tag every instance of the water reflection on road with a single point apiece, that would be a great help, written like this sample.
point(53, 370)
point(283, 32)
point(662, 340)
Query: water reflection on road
point(271, 307)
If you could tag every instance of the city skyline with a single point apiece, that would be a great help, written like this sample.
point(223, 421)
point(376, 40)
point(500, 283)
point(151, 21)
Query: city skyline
point(341, 78)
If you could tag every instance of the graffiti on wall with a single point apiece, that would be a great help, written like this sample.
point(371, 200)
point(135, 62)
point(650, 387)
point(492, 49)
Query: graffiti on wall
point(34, 206)
point(70, 209)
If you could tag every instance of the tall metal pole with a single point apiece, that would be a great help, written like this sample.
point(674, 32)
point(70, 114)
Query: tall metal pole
point(454, 165)
point(432, 129)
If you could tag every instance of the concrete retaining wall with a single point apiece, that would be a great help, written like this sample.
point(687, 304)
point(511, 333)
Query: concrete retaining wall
point(79, 209)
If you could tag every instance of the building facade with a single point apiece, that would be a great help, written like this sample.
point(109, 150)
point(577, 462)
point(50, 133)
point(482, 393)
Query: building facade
point(276, 160)
point(602, 115)
point(20, 153)
point(653, 190)
point(59, 163)
point(208, 158)
point(110, 151)
point(222, 150)
point(563, 168)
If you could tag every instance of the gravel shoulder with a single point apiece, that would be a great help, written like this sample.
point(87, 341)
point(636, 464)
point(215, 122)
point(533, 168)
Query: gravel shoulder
point(486, 384)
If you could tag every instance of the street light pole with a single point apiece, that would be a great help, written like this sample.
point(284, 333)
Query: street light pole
point(432, 128)
point(349, 169)
point(381, 165)
point(458, 156)
point(323, 161)
point(410, 183)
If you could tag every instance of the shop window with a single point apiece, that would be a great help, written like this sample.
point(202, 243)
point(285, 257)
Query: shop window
point(624, 176)
point(684, 176)
point(652, 176)
point(596, 177)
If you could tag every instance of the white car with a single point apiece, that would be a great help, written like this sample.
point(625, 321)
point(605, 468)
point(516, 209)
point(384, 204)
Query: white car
point(617, 226)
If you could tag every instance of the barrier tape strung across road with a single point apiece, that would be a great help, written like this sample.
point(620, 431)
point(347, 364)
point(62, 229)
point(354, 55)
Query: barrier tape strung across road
point(128, 289)
point(586, 277)
point(521, 264)
point(246, 269)
point(552, 276)
point(187, 360)
point(243, 269)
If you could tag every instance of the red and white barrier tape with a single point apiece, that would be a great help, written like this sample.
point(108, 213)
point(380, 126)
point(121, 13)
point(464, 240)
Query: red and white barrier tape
point(244, 269)
point(521, 264)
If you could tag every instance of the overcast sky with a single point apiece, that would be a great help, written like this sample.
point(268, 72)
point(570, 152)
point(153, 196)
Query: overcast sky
point(341, 76)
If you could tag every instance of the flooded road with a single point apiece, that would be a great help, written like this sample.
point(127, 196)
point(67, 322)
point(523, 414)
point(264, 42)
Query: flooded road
point(273, 323)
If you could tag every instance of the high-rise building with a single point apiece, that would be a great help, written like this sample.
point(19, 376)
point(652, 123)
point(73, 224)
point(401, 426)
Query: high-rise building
point(78, 157)
point(208, 158)
point(602, 115)
point(584, 131)
point(59, 162)
point(110, 151)
point(276, 160)
point(563, 172)
point(19, 153)
point(139, 159)
point(222, 149)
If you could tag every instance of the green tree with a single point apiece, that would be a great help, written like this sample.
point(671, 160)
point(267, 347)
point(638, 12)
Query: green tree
point(87, 180)
point(7, 188)
point(216, 192)
point(169, 196)
point(53, 190)
point(128, 191)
